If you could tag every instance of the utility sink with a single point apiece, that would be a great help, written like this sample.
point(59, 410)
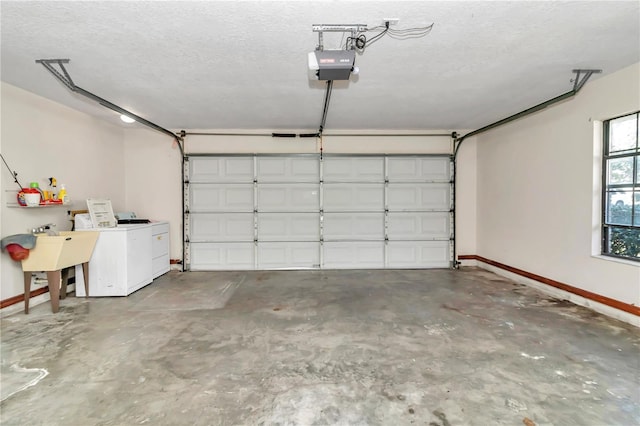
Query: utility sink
point(53, 254)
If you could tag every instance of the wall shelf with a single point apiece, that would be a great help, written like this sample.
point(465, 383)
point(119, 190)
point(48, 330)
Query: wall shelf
point(12, 202)
point(18, 206)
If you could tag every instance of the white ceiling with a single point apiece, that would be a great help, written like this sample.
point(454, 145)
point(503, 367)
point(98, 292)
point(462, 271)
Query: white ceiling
point(242, 64)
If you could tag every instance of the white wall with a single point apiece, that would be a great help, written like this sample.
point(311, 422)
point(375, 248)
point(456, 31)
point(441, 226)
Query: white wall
point(39, 139)
point(466, 198)
point(537, 185)
point(154, 181)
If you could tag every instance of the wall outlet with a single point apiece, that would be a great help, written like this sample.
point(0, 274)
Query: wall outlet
point(391, 21)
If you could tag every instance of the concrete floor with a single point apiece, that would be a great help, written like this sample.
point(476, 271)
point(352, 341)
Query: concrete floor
point(430, 348)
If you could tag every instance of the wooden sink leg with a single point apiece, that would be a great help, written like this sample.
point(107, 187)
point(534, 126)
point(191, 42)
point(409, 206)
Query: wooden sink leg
point(63, 286)
point(27, 291)
point(85, 272)
point(53, 278)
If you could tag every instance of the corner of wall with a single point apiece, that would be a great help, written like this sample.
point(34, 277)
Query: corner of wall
point(466, 198)
point(538, 175)
point(153, 183)
point(39, 139)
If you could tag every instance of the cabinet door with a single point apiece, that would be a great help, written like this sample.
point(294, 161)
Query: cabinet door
point(160, 244)
point(107, 267)
point(139, 248)
point(160, 249)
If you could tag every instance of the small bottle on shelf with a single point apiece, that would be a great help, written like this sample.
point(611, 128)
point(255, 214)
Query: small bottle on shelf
point(62, 194)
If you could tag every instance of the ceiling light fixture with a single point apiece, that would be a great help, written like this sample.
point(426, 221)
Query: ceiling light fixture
point(127, 119)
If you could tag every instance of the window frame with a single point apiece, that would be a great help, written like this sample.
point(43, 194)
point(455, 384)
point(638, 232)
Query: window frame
point(633, 153)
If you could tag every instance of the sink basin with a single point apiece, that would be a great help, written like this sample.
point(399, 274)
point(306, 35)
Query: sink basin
point(55, 252)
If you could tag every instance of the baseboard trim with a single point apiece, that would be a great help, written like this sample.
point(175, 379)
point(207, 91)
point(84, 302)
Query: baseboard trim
point(34, 293)
point(20, 297)
point(616, 304)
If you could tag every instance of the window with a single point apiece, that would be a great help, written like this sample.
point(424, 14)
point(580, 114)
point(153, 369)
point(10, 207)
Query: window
point(621, 188)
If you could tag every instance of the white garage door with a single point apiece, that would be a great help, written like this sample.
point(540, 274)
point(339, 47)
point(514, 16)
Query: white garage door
point(304, 211)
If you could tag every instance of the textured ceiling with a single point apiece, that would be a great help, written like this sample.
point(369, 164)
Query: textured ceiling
point(242, 65)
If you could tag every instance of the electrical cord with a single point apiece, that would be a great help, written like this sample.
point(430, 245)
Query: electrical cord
point(409, 30)
point(14, 174)
point(404, 34)
point(360, 42)
point(376, 37)
point(410, 33)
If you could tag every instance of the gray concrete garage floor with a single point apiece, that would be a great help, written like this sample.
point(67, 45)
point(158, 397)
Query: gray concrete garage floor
point(429, 348)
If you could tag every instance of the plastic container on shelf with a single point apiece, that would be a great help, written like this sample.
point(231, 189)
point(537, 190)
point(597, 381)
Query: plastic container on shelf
point(29, 197)
point(34, 185)
point(62, 194)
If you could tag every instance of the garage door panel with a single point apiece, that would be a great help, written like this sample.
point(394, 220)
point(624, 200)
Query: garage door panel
point(353, 169)
point(308, 212)
point(288, 169)
point(418, 254)
point(222, 256)
point(222, 227)
point(288, 227)
point(221, 169)
point(353, 226)
point(353, 255)
point(418, 226)
point(302, 255)
point(221, 198)
point(418, 169)
point(288, 198)
point(353, 197)
point(416, 197)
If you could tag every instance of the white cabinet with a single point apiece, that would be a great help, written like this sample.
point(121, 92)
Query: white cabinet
point(159, 249)
point(125, 259)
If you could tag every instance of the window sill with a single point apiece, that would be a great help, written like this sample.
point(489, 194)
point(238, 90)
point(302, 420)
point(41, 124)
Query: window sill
point(617, 260)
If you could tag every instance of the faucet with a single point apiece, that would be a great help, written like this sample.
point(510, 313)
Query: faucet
point(47, 228)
